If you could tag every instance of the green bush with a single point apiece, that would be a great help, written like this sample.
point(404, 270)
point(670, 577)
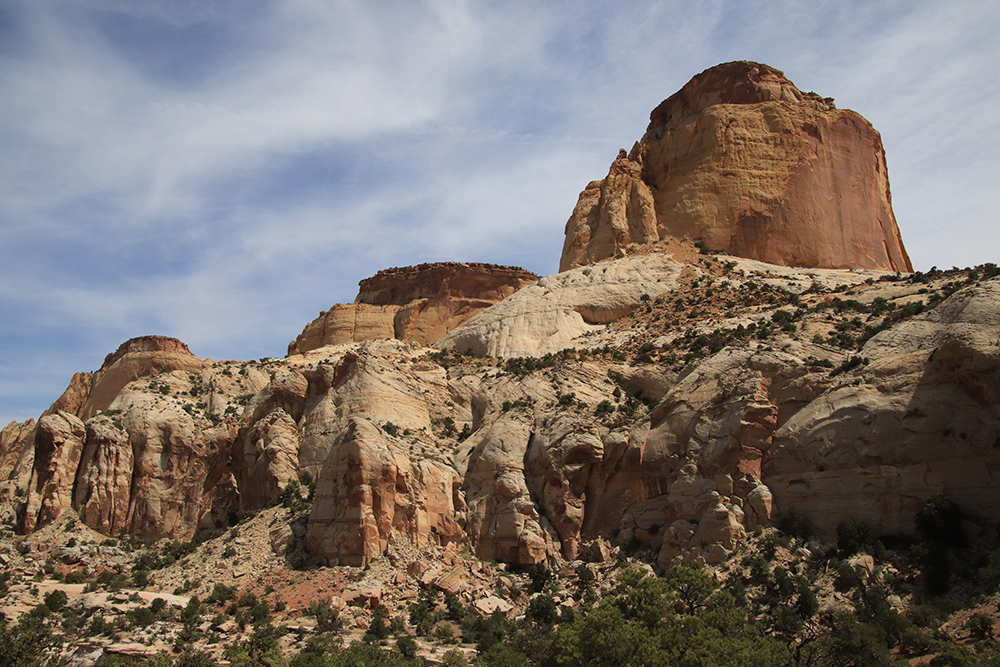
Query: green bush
point(378, 629)
point(455, 658)
point(327, 618)
point(220, 594)
point(407, 646)
point(853, 537)
point(80, 577)
point(542, 610)
point(55, 600)
point(794, 524)
point(980, 626)
point(940, 520)
point(502, 655)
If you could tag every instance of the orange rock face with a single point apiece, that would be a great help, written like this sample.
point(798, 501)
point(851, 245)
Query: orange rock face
point(414, 303)
point(89, 393)
point(368, 491)
point(744, 161)
point(146, 344)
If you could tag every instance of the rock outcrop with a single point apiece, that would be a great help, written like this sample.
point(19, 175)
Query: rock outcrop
point(147, 344)
point(551, 314)
point(921, 420)
point(743, 161)
point(90, 393)
point(693, 404)
point(415, 303)
point(369, 492)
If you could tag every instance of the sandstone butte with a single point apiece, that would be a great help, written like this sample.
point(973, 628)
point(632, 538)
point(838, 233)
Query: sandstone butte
point(743, 161)
point(414, 303)
point(640, 400)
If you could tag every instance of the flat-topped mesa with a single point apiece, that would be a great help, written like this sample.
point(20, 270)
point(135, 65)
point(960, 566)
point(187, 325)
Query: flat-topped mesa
point(399, 286)
point(745, 162)
point(146, 344)
point(414, 303)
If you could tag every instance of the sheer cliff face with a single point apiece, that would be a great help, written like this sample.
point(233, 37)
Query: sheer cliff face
point(741, 159)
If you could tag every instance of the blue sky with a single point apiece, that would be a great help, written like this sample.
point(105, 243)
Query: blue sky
point(222, 170)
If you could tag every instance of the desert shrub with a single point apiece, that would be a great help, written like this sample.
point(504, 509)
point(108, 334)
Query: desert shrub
point(940, 520)
point(444, 631)
point(327, 618)
point(220, 594)
point(693, 587)
point(192, 611)
point(853, 537)
point(848, 577)
point(566, 400)
point(988, 576)
point(794, 524)
point(539, 576)
point(980, 626)
point(914, 642)
point(77, 577)
point(291, 497)
point(936, 566)
point(455, 658)
point(605, 407)
point(807, 603)
point(407, 646)
point(378, 629)
point(542, 610)
point(112, 581)
point(141, 617)
point(55, 600)
point(192, 658)
point(502, 655)
point(140, 578)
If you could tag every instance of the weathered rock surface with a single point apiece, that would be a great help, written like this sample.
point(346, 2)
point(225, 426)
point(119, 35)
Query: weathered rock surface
point(58, 445)
point(270, 458)
point(17, 450)
point(90, 393)
point(922, 419)
point(742, 160)
point(369, 492)
point(678, 421)
point(556, 311)
point(415, 303)
point(504, 522)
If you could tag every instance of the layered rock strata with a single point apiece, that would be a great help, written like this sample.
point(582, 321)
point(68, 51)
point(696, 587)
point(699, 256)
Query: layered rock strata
point(90, 393)
point(407, 445)
point(743, 161)
point(415, 303)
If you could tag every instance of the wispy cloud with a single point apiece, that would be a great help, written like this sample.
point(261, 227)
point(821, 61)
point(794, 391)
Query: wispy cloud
point(221, 171)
